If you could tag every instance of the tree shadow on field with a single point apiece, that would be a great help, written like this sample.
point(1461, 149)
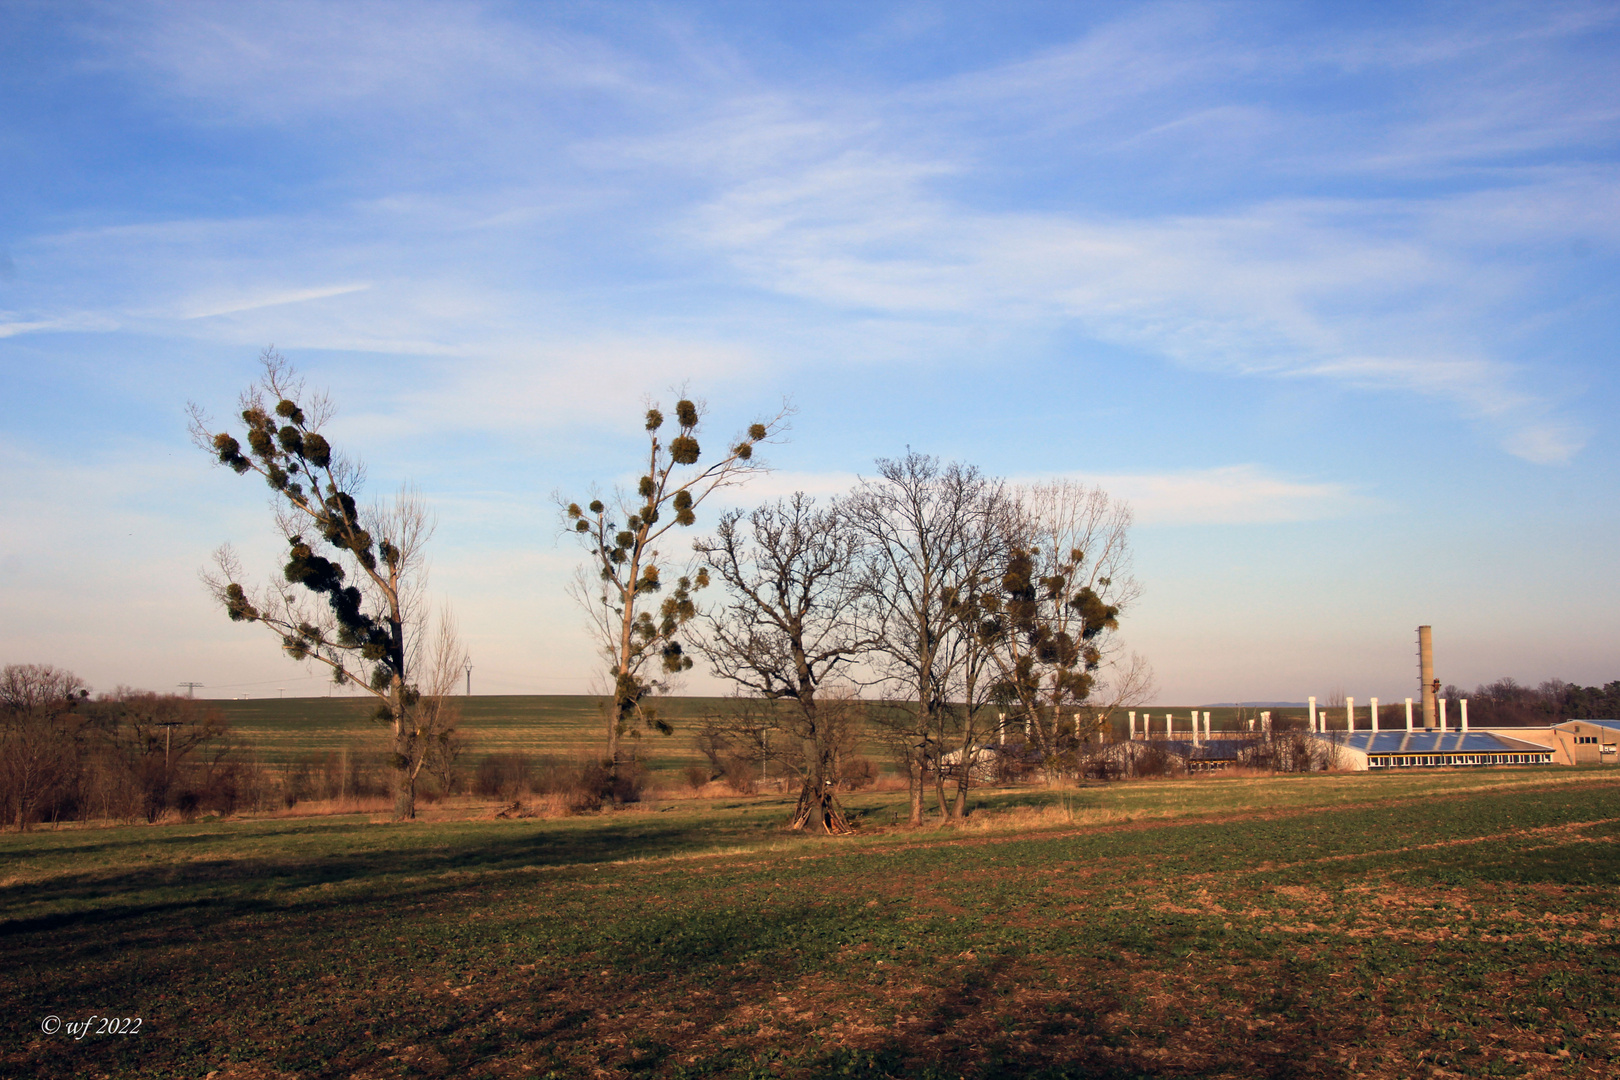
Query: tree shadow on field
point(129, 839)
point(1575, 864)
point(403, 864)
point(896, 1062)
point(976, 1030)
point(774, 938)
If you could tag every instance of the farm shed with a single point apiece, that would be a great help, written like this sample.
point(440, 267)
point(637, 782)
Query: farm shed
point(1587, 742)
point(1573, 742)
point(1209, 755)
point(1429, 749)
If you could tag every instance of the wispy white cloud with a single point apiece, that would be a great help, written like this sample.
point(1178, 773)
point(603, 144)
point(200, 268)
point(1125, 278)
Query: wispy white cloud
point(209, 307)
point(76, 321)
point(11, 329)
point(570, 381)
point(306, 58)
point(1551, 443)
point(1229, 495)
point(1378, 294)
point(785, 483)
point(870, 201)
point(1226, 495)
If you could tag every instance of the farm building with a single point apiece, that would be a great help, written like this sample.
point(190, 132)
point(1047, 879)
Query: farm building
point(1209, 755)
point(1132, 756)
point(1573, 742)
point(1419, 749)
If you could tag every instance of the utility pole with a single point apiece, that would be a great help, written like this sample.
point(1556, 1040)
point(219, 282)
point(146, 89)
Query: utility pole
point(191, 688)
point(468, 663)
point(168, 727)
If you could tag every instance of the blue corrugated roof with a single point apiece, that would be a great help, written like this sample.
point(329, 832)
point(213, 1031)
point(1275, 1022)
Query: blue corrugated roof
point(1433, 742)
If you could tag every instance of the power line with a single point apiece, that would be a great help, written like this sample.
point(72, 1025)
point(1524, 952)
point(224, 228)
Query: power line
point(191, 688)
point(271, 682)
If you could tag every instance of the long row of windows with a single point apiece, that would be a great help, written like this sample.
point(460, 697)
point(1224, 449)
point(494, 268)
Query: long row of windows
point(1401, 761)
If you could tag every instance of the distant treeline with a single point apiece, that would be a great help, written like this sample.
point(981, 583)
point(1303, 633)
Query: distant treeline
point(133, 755)
point(125, 755)
point(1506, 703)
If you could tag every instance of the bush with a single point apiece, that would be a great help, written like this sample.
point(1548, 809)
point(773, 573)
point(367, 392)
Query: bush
point(575, 785)
point(505, 776)
point(630, 785)
point(579, 785)
point(1152, 761)
point(858, 773)
point(342, 774)
point(230, 786)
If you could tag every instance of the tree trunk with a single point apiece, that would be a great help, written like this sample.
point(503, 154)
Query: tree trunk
point(623, 705)
point(914, 774)
point(818, 809)
point(404, 795)
point(615, 722)
point(919, 753)
point(968, 760)
point(404, 774)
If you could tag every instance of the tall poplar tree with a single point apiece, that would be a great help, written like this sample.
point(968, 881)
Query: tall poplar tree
point(350, 597)
point(639, 633)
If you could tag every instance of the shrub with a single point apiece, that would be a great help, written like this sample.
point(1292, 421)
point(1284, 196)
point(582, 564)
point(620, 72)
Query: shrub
point(1152, 761)
point(503, 775)
point(584, 784)
point(858, 773)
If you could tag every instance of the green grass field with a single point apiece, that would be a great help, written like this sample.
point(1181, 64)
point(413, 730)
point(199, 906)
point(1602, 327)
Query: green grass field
point(282, 730)
point(1440, 924)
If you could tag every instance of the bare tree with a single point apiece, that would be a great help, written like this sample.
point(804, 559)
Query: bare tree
point(933, 537)
point(1066, 580)
point(791, 616)
point(438, 716)
point(628, 564)
point(368, 565)
point(154, 735)
point(974, 688)
point(38, 736)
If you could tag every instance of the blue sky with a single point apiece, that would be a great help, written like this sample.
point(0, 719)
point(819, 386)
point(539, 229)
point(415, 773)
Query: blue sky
point(1328, 292)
